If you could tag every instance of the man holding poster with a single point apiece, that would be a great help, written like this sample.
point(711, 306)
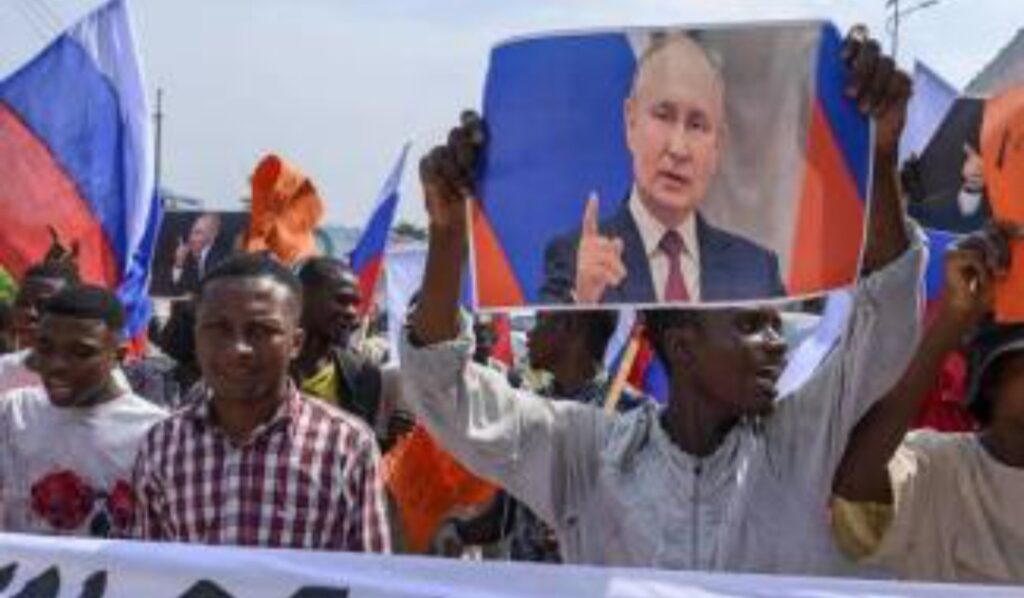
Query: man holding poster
point(729, 476)
point(658, 247)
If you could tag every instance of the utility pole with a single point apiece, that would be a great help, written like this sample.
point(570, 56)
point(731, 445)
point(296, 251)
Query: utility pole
point(898, 14)
point(895, 30)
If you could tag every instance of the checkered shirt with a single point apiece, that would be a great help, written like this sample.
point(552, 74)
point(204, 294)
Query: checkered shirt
point(308, 478)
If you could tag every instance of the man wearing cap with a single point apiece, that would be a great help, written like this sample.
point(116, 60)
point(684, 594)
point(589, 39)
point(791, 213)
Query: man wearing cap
point(943, 506)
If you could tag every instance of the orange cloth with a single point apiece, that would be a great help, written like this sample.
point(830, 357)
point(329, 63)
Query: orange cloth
point(428, 485)
point(286, 209)
point(1002, 152)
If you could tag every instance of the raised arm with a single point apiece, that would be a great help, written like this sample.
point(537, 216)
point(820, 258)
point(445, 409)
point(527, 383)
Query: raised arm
point(814, 424)
point(971, 269)
point(447, 175)
point(882, 91)
point(533, 447)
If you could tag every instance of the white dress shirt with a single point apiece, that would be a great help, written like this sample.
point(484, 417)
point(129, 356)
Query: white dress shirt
point(651, 233)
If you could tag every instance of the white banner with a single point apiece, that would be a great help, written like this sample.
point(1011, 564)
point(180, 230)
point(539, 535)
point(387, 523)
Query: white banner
point(43, 567)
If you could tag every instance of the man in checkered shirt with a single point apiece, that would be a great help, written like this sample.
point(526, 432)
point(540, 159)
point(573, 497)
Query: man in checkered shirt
point(249, 460)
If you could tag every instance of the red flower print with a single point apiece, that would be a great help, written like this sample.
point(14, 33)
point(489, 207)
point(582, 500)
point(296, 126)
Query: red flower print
point(121, 505)
point(63, 499)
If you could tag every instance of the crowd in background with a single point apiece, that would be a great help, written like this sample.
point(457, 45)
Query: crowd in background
point(264, 412)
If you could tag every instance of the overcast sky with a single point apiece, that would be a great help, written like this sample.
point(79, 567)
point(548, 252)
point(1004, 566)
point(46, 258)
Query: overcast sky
point(337, 86)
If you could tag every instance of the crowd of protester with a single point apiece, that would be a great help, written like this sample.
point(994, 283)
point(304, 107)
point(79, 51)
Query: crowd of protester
point(255, 417)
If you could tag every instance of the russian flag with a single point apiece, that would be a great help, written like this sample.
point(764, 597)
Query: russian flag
point(367, 257)
point(836, 183)
point(647, 374)
point(932, 100)
point(76, 153)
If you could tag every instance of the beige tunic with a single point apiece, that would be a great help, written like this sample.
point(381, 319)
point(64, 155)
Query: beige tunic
point(959, 513)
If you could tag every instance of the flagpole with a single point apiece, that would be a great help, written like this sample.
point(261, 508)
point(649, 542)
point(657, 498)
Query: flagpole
point(611, 402)
point(158, 119)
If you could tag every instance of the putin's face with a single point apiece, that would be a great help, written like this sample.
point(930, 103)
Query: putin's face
point(203, 232)
point(675, 127)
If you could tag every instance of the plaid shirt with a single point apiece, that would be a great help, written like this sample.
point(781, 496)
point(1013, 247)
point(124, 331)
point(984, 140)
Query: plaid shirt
point(308, 478)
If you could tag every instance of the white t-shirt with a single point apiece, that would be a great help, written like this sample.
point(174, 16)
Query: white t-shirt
point(67, 471)
point(14, 373)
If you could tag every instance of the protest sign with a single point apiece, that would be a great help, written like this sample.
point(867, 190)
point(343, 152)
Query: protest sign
point(739, 138)
point(43, 567)
point(203, 239)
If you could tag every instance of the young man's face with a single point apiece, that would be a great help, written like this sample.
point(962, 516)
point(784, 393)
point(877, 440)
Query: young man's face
point(1009, 402)
point(74, 357)
point(331, 309)
point(675, 130)
point(735, 357)
point(544, 340)
point(28, 306)
point(247, 333)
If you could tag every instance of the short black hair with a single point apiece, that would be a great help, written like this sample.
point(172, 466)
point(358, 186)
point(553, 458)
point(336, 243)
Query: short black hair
point(989, 352)
point(600, 325)
point(260, 264)
point(87, 302)
point(65, 270)
point(319, 271)
point(657, 321)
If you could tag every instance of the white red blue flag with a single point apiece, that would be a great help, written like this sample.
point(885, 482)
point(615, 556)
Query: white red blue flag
point(367, 258)
point(76, 153)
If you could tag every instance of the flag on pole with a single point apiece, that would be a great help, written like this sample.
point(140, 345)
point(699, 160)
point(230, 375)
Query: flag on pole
point(76, 153)
point(648, 375)
point(932, 100)
point(403, 270)
point(367, 257)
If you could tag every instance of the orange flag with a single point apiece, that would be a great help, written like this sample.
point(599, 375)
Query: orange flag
point(428, 484)
point(286, 209)
point(1002, 151)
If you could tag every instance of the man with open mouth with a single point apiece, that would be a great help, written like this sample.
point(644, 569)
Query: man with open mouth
point(728, 476)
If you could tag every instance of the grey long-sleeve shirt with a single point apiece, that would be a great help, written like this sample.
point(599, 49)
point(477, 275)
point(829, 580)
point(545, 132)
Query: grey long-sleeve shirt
point(618, 492)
